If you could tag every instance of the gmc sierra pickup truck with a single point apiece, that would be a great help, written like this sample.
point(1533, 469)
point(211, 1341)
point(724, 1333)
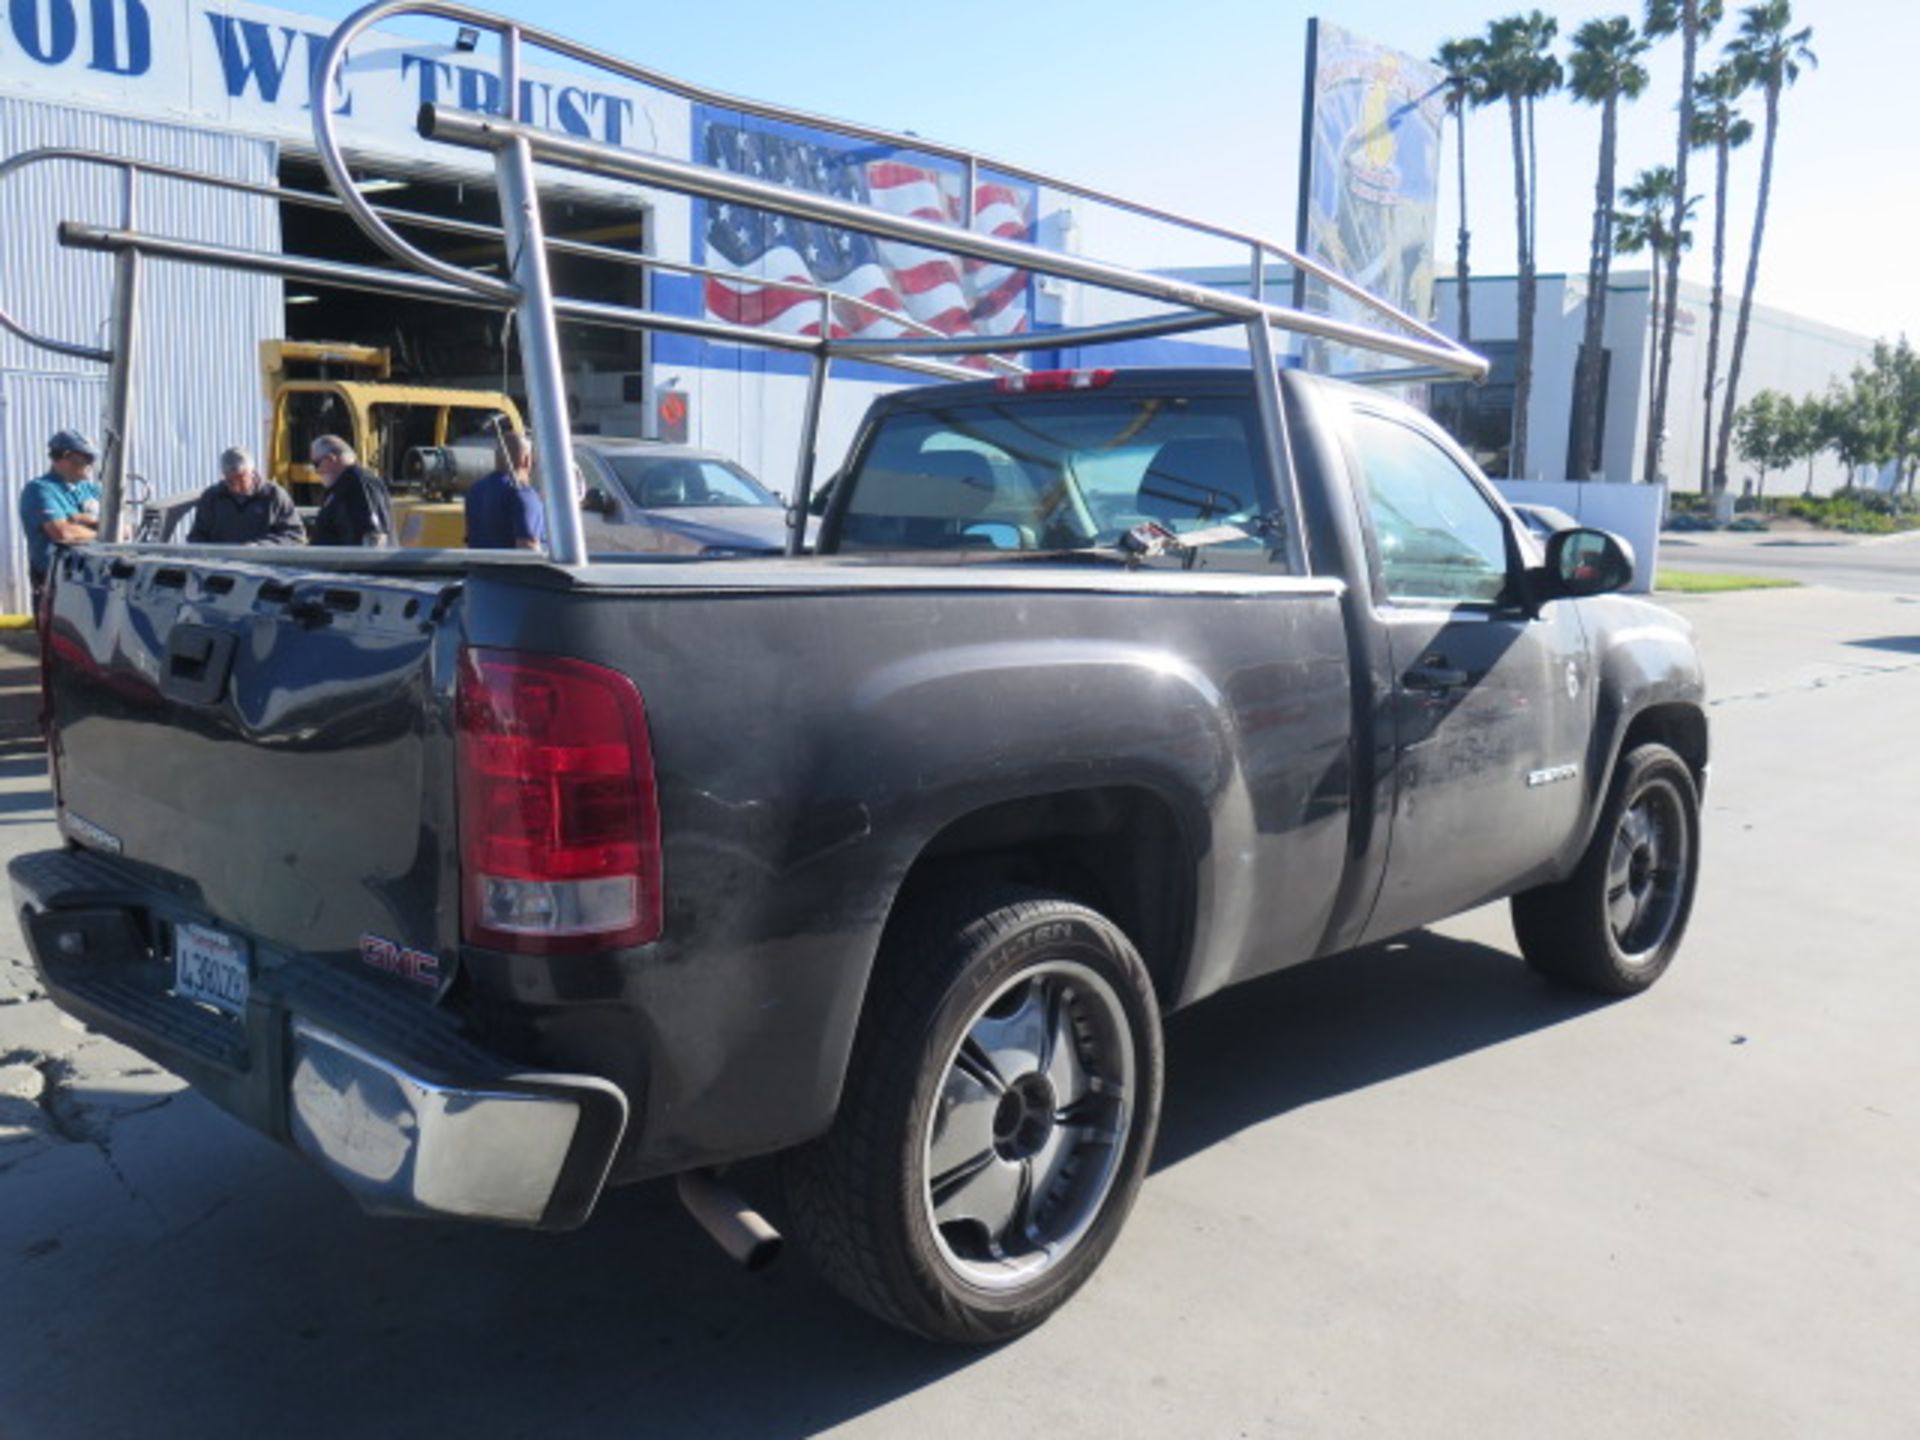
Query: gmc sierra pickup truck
point(485, 882)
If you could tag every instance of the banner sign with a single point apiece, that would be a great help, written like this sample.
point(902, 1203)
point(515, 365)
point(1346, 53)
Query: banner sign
point(774, 253)
point(250, 70)
point(1370, 179)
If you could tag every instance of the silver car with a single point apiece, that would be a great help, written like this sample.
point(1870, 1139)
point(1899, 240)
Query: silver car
point(646, 497)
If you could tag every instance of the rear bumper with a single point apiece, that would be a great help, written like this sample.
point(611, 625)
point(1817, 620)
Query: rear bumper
point(406, 1114)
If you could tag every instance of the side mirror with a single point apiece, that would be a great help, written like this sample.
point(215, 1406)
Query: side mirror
point(1585, 562)
point(596, 501)
point(822, 496)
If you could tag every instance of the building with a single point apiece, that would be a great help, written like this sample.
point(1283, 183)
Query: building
point(1785, 352)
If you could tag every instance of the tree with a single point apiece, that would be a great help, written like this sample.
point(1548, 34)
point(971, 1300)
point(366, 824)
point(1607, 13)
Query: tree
point(1888, 391)
point(1716, 123)
point(1767, 435)
point(1805, 422)
point(1462, 61)
point(1645, 227)
point(1693, 20)
point(1605, 69)
point(1852, 425)
point(1520, 68)
point(1767, 56)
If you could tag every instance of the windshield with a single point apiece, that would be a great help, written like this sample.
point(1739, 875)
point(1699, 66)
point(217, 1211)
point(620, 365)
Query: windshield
point(1068, 473)
point(677, 482)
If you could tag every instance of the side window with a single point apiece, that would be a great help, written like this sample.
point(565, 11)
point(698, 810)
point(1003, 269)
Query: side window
point(1438, 536)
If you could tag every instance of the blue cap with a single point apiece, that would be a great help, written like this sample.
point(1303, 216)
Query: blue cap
point(64, 440)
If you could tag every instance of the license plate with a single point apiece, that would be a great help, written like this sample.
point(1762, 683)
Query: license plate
point(211, 967)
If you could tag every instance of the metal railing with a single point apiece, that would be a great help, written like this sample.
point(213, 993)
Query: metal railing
point(527, 292)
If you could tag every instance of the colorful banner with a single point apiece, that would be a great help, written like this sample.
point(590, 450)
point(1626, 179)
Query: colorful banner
point(874, 281)
point(1371, 182)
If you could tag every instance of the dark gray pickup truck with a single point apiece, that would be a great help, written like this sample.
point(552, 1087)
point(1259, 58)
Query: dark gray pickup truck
point(486, 882)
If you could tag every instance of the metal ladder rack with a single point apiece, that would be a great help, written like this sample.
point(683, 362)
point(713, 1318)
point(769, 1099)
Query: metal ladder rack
point(517, 146)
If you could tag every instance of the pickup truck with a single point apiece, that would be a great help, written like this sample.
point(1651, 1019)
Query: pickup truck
point(485, 882)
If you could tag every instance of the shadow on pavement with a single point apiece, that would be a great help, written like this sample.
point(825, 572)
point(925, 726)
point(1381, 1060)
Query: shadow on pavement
point(1342, 1024)
point(1901, 644)
point(175, 1265)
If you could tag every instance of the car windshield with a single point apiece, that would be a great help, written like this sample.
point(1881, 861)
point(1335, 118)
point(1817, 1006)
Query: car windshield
point(1062, 474)
point(678, 482)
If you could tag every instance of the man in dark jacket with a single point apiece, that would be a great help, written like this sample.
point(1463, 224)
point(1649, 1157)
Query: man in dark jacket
point(356, 510)
point(243, 509)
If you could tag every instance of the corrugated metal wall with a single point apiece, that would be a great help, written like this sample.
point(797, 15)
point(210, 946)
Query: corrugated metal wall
point(197, 388)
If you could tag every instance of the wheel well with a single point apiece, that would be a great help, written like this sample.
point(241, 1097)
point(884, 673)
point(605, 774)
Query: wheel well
point(1681, 728)
point(1119, 850)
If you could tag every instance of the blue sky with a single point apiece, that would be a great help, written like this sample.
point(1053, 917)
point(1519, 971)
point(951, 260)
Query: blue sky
point(1197, 108)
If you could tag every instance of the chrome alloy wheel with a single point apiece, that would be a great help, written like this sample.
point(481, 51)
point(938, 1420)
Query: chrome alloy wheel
point(1029, 1125)
point(1647, 871)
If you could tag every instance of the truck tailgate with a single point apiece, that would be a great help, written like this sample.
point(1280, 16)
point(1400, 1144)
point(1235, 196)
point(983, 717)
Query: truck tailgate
point(277, 735)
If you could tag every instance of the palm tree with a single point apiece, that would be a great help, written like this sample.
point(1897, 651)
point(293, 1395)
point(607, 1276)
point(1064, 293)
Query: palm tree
point(1519, 69)
point(1693, 20)
point(1645, 227)
point(1717, 123)
point(1768, 56)
point(1605, 69)
point(1461, 60)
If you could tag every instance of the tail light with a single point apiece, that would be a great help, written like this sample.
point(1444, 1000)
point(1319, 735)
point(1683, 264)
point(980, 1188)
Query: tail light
point(1042, 382)
point(559, 813)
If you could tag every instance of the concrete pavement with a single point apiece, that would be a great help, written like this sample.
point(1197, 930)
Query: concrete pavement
point(1412, 1192)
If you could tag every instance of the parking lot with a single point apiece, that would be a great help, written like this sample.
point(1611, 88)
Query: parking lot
point(1409, 1192)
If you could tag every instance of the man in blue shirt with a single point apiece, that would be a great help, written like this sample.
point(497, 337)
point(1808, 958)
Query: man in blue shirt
point(61, 507)
point(503, 509)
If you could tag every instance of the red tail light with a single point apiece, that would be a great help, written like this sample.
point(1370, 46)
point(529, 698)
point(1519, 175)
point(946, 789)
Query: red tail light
point(559, 814)
point(1040, 382)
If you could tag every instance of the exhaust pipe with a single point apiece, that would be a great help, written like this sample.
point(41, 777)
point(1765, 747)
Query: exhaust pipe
point(735, 1226)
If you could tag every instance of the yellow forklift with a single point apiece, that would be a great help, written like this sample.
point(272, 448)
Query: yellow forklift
point(429, 443)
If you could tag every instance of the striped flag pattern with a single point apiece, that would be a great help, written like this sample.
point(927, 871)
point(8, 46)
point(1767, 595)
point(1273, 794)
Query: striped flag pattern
point(770, 254)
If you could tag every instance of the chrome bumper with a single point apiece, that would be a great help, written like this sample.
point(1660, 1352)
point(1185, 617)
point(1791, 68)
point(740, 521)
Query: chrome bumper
point(516, 1151)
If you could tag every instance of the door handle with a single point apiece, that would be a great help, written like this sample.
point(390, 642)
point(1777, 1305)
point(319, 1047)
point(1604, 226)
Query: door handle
point(1434, 677)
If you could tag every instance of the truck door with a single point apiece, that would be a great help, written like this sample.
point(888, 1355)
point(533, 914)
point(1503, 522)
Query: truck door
point(1488, 708)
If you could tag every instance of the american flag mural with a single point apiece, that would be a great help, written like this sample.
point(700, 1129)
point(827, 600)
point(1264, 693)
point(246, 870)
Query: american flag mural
point(773, 253)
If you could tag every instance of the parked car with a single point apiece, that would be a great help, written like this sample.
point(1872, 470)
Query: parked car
point(645, 497)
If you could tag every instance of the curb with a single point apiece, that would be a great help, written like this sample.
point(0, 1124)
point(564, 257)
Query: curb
point(16, 622)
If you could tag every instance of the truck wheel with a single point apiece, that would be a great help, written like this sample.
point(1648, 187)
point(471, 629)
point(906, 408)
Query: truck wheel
point(1614, 924)
point(997, 1118)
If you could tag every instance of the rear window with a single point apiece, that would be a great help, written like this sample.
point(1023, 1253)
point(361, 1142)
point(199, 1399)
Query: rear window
point(1065, 473)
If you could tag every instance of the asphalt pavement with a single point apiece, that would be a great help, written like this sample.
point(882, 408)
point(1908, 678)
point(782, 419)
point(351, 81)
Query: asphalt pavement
point(1886, 563)
point(1410, 1192)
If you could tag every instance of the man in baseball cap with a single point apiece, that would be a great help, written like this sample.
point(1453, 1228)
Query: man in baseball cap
point(61, 507)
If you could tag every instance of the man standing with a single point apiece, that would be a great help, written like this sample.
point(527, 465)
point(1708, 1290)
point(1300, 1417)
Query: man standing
point(61, 507)
point(356, 510)
point(243, 509)
point(503, 509)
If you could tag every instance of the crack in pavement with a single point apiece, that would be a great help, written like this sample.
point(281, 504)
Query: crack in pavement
point(1818, 682)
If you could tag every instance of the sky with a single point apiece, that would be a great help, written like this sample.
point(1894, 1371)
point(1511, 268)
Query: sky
point(1196, 108)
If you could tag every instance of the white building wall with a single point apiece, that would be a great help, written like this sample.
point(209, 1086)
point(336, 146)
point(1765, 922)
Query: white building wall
point(1785, 352)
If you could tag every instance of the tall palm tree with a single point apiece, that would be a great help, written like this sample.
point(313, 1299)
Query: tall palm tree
point(1644, 226)
point(1461, 60)
point(1717, 123)
point(1768, 55)
point(1520, 68)
point(1605, 69)
point(1693, 21)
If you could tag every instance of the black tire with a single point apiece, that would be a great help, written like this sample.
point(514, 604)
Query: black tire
point(1614, 924)
point(965, 993)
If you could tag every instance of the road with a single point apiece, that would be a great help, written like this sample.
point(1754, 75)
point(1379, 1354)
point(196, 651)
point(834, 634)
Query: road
point(1889, 564)
point(1413, 1192)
